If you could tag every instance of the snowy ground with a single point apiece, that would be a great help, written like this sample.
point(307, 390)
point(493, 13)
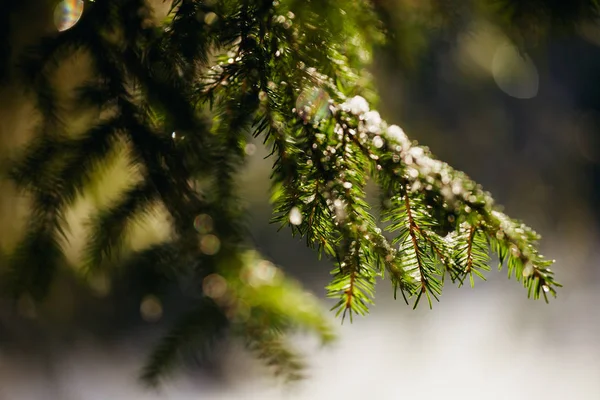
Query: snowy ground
point(484, 344)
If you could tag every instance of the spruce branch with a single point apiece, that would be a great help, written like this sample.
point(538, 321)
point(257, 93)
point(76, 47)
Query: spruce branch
point(109, 227)
point(289, 73)
point(269, 346)
point(472, 251)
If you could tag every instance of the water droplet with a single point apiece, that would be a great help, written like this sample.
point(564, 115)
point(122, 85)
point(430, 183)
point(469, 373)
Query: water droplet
point(457, 187)
point(412, 172)
point(67, 14)
point(295, 216)
point(309, 199)
point(347, 185)
point(416, 152)
point(378, 142)
point(515, 251)
point(356, 105)
point(546, 288)
point(210, 245)
point(528, 270)
point(372, 121)
point(396, 133)
point(416, 186)
point(151, 308)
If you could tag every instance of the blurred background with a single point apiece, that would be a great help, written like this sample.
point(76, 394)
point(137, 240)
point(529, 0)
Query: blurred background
point(523, 123)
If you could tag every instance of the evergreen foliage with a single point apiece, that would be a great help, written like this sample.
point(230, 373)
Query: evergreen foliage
point(183, 96)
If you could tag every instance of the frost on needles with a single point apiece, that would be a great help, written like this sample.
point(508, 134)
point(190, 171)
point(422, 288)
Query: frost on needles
point(181, 95)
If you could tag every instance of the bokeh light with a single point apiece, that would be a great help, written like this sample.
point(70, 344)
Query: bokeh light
point(261, 273)
point(313, 104)
point(514, 72)
point(151, 308)
point(214, 286)
point(210, 245)
point(250, 149)
point(210, 18)
point(67, 13)
point(203, 223)
point(100, 285)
